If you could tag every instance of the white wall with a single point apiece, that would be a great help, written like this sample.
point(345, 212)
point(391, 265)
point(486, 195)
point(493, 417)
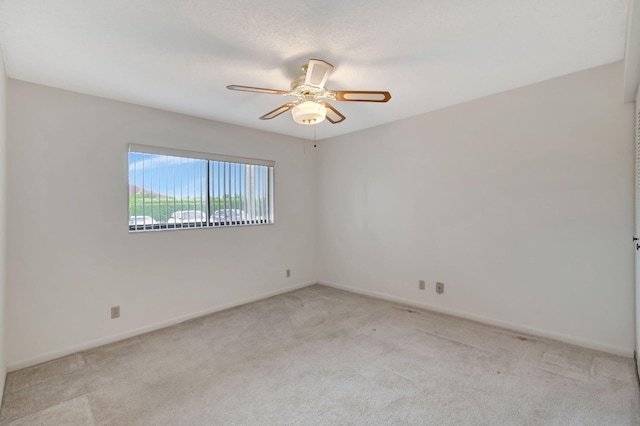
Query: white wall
point(71, 256)
point(521, 203)
point(3, 181)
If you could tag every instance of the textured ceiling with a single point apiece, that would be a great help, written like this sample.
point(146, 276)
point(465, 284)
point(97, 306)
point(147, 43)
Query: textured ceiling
point(180, 55)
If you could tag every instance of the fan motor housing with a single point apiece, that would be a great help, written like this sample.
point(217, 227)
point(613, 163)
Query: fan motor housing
point(301, 90)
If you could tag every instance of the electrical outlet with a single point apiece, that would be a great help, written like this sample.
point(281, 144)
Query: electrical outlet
point(421, 284)
point(439, 288)
point(115, 312)
point(288, 273)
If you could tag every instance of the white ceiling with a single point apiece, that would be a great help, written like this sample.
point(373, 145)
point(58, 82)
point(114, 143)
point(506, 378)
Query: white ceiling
point(179, 55)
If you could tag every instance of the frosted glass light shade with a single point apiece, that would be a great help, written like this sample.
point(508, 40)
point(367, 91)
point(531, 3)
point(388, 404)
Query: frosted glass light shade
point(309, 112)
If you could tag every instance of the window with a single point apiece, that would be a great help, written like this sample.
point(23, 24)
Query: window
point(175, 189)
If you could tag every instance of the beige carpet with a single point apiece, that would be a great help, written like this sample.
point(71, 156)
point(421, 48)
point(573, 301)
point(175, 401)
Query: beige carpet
point(323, 356)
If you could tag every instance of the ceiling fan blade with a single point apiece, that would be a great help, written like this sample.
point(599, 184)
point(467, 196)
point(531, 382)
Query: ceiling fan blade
point(317, 73)
point(333, 115)
point(257, 90)
point(360, 96)
point(276, 112)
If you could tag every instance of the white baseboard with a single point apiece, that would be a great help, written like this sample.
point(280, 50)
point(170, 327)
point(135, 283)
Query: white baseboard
point(629, 353)
point(163, 324)
point(145, 329)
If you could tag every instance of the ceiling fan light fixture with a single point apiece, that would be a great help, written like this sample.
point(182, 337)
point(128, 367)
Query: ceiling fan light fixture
point(311, 93)
point(309, 112)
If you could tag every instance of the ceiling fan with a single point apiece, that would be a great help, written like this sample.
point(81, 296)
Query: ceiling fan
point(311, 106)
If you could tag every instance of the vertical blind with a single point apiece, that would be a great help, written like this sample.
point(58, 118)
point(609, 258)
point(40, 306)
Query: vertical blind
point(175, 189)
